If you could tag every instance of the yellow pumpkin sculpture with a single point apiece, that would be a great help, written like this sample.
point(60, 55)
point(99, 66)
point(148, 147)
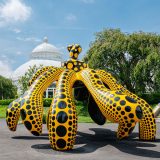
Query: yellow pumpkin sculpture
point(107, 100)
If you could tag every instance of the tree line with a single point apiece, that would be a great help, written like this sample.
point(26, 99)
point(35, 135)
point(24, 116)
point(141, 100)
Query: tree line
point(133, 59)
point(7, 89)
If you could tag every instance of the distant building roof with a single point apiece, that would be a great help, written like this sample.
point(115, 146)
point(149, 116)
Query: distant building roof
point(44, 54)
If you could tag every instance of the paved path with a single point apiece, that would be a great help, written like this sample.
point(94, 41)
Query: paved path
point(92, 143)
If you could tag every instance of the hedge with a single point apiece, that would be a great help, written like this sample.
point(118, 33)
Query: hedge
point(46, 102)
point(151, 98)
point(6, 101)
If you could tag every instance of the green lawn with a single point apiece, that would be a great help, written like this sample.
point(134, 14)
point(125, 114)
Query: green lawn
point(82, 112)
point(3, 111)
point(82, 117)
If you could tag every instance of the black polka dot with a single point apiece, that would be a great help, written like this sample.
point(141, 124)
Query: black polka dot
point(62, 117)
point(16, 105)
point(119, 93)
point(28, 125)
point(122, 102)
point(29, 112)
point(99, 82)
point(131, 115)
point(93, 71)
point(33, 122)
point(62, 90)
point(62, 96)
point(96, 76)
point(110, 101)
point(127, 108)
point(31, 117)
point(122, 112)
point(23, 114)
point(69, 128)
point(130, 99)
point(118, 108)
point(129, 125)
point(62, 104)
point(35, 133)
point(139, 112)
point(28, 101)
point(61, 131)
point(61, 143)
point(117, 98)
point(28, 107)
point(70, 111)
point(10, 114)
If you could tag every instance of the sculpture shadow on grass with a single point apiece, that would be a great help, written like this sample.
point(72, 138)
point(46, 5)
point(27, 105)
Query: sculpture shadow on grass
point(102, 137)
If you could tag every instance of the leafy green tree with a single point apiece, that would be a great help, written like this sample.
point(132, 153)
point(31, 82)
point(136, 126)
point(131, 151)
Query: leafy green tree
point(23, 80)
point(134, 59)
point(7, 89)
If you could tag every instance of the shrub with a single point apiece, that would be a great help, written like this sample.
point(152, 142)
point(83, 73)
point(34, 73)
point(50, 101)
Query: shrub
point(44, 119)
point(47, 102)
point(6, 101)
point(151, 98)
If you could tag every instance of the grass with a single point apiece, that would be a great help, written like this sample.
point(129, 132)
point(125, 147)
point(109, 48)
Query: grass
point(83, 116)
point(3, 111)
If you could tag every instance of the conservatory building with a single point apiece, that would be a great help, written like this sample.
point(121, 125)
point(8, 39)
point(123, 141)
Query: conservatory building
point(44, 54)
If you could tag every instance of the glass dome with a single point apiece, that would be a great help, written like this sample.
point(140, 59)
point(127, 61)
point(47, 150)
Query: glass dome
point(46, 51)
point(44, 54)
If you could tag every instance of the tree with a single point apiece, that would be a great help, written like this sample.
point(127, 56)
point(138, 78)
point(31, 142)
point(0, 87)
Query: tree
point(134, 59)
point(23, 80)
point(7, 89)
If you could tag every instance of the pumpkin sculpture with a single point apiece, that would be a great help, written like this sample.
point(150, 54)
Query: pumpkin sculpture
point(106, 100)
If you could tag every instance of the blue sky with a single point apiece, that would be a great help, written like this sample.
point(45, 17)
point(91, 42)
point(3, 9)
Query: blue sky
point(24, 23)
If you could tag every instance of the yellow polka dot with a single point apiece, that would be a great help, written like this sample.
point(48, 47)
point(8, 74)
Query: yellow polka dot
point(75, 63)
point(73, 47)
point(71, 54)
point(84, 65)
point(76, 69)
point(69, 65)
point(75, 55)
point(79, 49)
point(81, 67)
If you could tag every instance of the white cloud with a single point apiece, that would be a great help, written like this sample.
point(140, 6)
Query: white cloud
point(18, 53)
point(5, 70)
point(14, 11)
point(16, 30)
point(71, 17)
point(88, 1)
point(29, 39)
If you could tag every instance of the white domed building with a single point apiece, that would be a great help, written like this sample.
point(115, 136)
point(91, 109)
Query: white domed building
point(44, 54)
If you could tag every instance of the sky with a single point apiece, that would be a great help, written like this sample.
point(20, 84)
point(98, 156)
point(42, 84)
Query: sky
point(24, 23)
